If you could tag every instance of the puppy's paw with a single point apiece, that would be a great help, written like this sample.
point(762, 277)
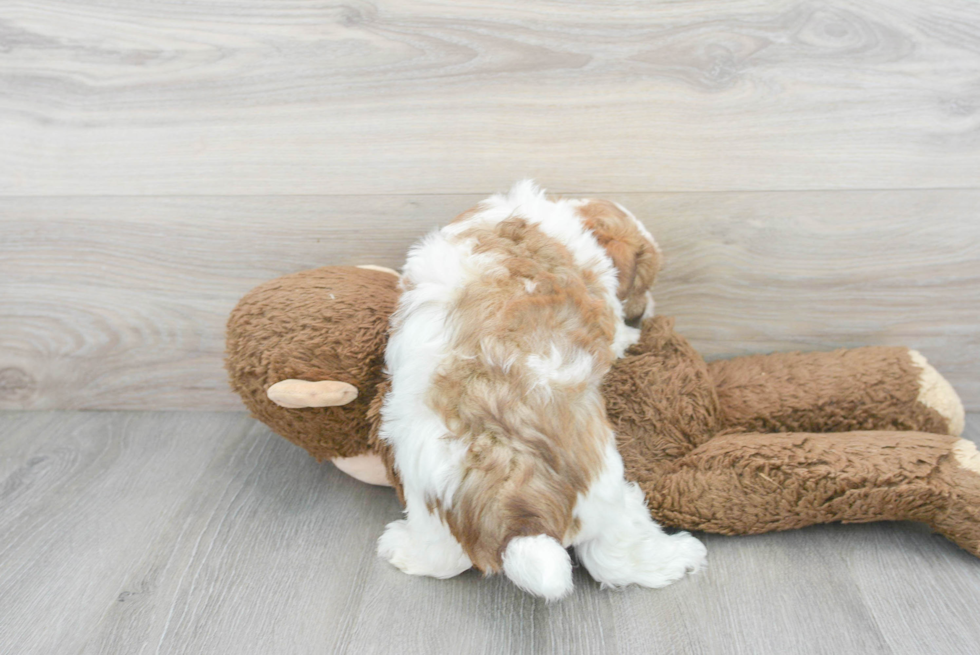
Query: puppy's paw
point(395, 545)
point(431, 554)
point(659, 562)
point(649, 558)
point(689, 552)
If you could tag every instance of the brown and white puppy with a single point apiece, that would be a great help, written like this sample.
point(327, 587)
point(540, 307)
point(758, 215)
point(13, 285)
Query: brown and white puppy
point(509, 319)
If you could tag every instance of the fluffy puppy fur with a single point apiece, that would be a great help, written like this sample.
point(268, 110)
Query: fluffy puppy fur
point(509, 319)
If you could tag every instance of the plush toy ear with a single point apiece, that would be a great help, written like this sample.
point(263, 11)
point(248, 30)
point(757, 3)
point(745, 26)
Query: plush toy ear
point(294, 394)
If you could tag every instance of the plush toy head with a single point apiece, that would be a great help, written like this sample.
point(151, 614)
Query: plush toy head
point(327, 326)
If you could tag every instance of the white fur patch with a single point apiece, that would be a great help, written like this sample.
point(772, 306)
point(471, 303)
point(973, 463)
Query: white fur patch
point(620, 544)
point(434, 272)
point(565, 368)
point(422, 545)
point(539, 565)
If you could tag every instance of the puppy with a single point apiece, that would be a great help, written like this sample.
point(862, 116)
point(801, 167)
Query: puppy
point(509, 319)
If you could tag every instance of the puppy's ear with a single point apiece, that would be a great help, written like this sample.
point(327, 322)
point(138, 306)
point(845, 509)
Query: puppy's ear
point(635, 257)
point(624, 259)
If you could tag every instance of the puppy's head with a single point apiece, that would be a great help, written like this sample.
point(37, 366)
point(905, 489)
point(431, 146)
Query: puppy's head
point(633, 251)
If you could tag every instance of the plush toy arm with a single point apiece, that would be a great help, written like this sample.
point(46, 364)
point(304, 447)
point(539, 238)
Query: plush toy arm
point(750, 483)
point(872, 388)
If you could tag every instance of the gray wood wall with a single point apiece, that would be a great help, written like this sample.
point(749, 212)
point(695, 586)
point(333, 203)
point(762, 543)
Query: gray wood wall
point(811, 169)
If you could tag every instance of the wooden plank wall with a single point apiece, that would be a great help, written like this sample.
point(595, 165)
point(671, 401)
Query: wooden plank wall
point(812, 169)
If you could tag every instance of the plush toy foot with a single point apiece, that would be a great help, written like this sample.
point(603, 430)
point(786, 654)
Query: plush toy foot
point(935, 392)
point(422, 545)
point(960, 523)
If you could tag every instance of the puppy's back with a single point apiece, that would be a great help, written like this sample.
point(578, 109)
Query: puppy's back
point(531, 333)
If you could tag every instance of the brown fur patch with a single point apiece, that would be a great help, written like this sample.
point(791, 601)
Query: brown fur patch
point(635, 257)
point(533, 444)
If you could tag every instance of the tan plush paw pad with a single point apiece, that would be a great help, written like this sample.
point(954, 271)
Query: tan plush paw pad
point(296, 394)
point(966, 455)
point(383, 269)
point(935, 392)
point(366, 468)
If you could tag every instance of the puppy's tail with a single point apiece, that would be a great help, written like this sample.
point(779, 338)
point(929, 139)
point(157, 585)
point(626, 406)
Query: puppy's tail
point(539, 565)
point(511, 512)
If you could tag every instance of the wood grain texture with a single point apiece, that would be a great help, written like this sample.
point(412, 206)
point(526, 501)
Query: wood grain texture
point(286, 97)
point(120, 303)
point(196, 532)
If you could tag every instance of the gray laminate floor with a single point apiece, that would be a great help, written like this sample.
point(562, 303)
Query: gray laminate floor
point(204, 533)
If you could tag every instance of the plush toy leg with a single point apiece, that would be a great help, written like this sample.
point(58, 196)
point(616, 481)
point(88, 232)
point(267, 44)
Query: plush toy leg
point(750, 483)
point(873, 388)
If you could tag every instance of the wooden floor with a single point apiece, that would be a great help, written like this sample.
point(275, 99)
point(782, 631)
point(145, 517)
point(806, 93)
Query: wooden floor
point(184, 532)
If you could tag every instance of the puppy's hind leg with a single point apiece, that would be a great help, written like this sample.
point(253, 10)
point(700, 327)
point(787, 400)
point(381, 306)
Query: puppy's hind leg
point(421, 544)
point(620, 544)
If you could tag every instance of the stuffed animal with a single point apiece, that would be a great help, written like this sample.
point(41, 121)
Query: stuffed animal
point(739, 446)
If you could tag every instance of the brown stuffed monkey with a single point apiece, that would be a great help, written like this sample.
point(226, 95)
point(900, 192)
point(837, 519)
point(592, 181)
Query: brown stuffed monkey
point(739, 446)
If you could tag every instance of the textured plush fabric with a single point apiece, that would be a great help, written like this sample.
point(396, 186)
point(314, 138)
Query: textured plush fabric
point(746, 445)
point(660, 398)
point(873, 388)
